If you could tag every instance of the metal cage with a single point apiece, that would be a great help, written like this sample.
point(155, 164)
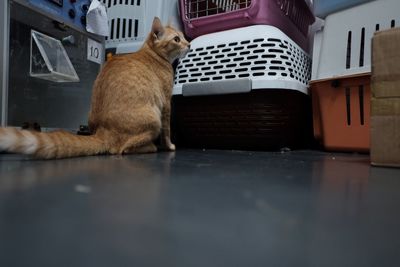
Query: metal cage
point(202, 8)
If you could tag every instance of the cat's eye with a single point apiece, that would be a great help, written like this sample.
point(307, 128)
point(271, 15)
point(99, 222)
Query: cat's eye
point(177, 39)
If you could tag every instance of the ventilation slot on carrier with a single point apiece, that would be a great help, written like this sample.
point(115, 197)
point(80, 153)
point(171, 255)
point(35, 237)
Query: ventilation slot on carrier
point(122, 28)
point(361, 101)
point(348, 105)
point(362, 43)
point(351, 94)
point(348, 52)
point(110, 3)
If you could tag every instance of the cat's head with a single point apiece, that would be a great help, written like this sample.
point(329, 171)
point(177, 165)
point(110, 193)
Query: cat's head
point(167, 41)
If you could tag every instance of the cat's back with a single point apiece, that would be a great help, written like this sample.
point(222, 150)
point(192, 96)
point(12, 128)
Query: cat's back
point(130, 80)
point(134, 66)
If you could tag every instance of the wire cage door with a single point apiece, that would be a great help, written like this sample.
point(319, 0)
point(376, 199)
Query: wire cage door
point(202, 8)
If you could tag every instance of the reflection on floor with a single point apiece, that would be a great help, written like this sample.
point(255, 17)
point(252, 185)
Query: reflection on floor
point(199, 208)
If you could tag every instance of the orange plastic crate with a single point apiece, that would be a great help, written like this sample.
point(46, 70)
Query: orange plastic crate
point(341, 112)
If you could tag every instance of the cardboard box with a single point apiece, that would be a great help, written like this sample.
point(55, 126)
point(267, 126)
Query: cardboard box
point(385, 102)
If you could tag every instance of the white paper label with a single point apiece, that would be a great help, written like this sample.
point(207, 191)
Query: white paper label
point(95, 51)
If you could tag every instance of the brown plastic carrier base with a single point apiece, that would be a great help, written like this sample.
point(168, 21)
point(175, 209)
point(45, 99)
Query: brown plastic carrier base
point(265, 119)
point(341, 112)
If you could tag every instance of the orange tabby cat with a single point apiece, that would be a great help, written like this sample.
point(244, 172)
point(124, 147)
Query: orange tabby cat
point(130, 105)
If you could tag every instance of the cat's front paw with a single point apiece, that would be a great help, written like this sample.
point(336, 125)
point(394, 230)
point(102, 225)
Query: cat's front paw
point(171, 147)
point(167, 146)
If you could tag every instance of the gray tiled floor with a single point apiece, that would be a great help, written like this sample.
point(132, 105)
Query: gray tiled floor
point(200, 208)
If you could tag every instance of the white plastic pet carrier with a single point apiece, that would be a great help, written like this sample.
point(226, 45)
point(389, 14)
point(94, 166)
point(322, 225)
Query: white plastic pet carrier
point(130, 21)
point(244, 88)
point(241, 60)
point(343, 46)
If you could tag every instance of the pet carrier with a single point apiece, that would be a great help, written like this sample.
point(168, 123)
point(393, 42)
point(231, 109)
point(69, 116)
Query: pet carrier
point(262, 54)
point(293, 17)
point(243, 89)
point(341, 112)
point(130, 21)
point(343, 46)
point(341, 74)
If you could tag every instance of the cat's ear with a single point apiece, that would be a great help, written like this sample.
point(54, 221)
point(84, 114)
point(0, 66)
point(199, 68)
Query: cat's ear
point(157, 29)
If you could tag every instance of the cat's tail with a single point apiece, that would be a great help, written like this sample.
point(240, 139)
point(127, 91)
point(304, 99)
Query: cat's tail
point(52, 145)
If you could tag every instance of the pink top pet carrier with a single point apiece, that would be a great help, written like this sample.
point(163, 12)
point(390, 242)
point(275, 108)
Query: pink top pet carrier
point(293, 17)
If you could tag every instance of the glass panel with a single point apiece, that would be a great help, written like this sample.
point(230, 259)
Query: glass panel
point(49, 60)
